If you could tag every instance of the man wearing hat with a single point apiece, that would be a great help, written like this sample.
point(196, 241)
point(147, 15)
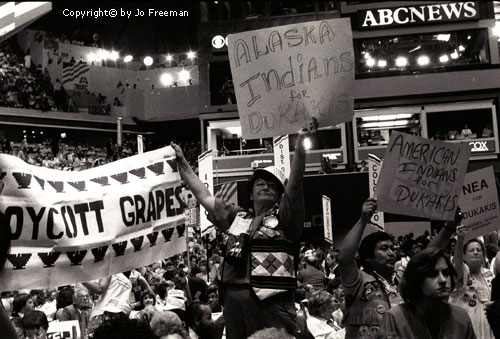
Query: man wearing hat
point(259, 270)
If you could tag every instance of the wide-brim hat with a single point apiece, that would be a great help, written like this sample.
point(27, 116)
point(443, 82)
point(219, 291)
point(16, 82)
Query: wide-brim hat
point(273, 173)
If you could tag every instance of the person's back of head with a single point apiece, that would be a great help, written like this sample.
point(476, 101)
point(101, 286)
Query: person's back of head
point(166, 323)
point(272, 332)
point(123, 328)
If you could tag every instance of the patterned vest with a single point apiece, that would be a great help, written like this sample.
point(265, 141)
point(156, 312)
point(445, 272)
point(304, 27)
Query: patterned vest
point(272, 258)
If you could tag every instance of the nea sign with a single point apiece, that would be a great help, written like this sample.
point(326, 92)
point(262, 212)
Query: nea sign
point(474, 187)
point(417, 15)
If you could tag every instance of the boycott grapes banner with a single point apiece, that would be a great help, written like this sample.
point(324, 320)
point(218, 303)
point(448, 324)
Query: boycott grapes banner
point(69, 227)
point(421, 177)
point(285, 75)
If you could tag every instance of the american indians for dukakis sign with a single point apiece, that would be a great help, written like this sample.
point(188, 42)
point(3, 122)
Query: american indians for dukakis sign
point(418, 14)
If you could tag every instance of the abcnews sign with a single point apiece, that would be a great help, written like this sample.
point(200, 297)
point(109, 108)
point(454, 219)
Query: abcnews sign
point(418, 15)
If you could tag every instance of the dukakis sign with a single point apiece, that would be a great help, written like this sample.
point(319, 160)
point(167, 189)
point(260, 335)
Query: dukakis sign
point(418, 14)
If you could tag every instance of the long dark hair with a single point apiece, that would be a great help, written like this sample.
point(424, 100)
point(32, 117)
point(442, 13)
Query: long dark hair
point(421, 266)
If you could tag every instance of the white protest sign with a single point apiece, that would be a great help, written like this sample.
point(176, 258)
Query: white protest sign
point(421, 177)
point(479, 203)
point(64, 330)
point(282, 154)
point(205, 172)
point(374, 166)
point(285, 75)
point(69, 227)
point(327, 219)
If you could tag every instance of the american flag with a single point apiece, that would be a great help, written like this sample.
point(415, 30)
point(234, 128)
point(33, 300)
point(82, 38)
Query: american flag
point(72, 72)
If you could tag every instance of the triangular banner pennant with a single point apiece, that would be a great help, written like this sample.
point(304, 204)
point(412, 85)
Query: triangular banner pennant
point(57, 185)
point(152, 237)
point(180, 230)
point(122, 178)
point(78, 185)
point(119, 248)
point(49, 258)
point(19, 261)
point(167, 234)
point(76, 257)
point(139, 172)
point(137, 243)
point(99, 253)
point(157, 168)
point(40, 181)
point(103, 181)
point(23, 179)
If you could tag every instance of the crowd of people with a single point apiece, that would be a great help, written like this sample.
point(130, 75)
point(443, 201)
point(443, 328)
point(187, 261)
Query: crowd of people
point(70, 155)
point(435, 285)
point(23, 85)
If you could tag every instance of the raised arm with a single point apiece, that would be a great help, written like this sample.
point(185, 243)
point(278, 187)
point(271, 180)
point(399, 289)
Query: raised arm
point(98, 287)
point(198, 188)
point(350, 244)
point(442, 239)
point(294, 186)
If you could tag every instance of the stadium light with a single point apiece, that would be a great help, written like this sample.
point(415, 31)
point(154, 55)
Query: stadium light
point(128, 58)
point(183, 76)
point(148, 61)
point(191, 55)
point(166, 79)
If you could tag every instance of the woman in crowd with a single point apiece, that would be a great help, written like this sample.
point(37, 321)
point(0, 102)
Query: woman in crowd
point(427, 282)
point(22, 304)
point(370, 292)
point(64, 298)
point(473, 291)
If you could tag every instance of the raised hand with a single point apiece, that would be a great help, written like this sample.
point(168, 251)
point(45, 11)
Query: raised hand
point(368, 209)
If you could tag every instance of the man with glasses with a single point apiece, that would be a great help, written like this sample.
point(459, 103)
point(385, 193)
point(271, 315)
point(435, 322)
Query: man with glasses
point(259, 270)
point(79, 310)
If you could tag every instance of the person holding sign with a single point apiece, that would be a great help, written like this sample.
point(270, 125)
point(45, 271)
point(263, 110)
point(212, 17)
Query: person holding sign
point(254, 297)
point(473, 290)
point(371, 292)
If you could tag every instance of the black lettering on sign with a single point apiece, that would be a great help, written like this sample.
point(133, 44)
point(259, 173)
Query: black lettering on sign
point(99, 253)
point(18, 213)
point(139, 208)
point(35, 217)
point(119, 248)
point(76, 257)
point(22, 179)
point(139, 172)
point(50, 225)
point(475, 186)
point(49, 258)
point(137, 243)
point(152, 238)
point(129, 218)
point(19, 261)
